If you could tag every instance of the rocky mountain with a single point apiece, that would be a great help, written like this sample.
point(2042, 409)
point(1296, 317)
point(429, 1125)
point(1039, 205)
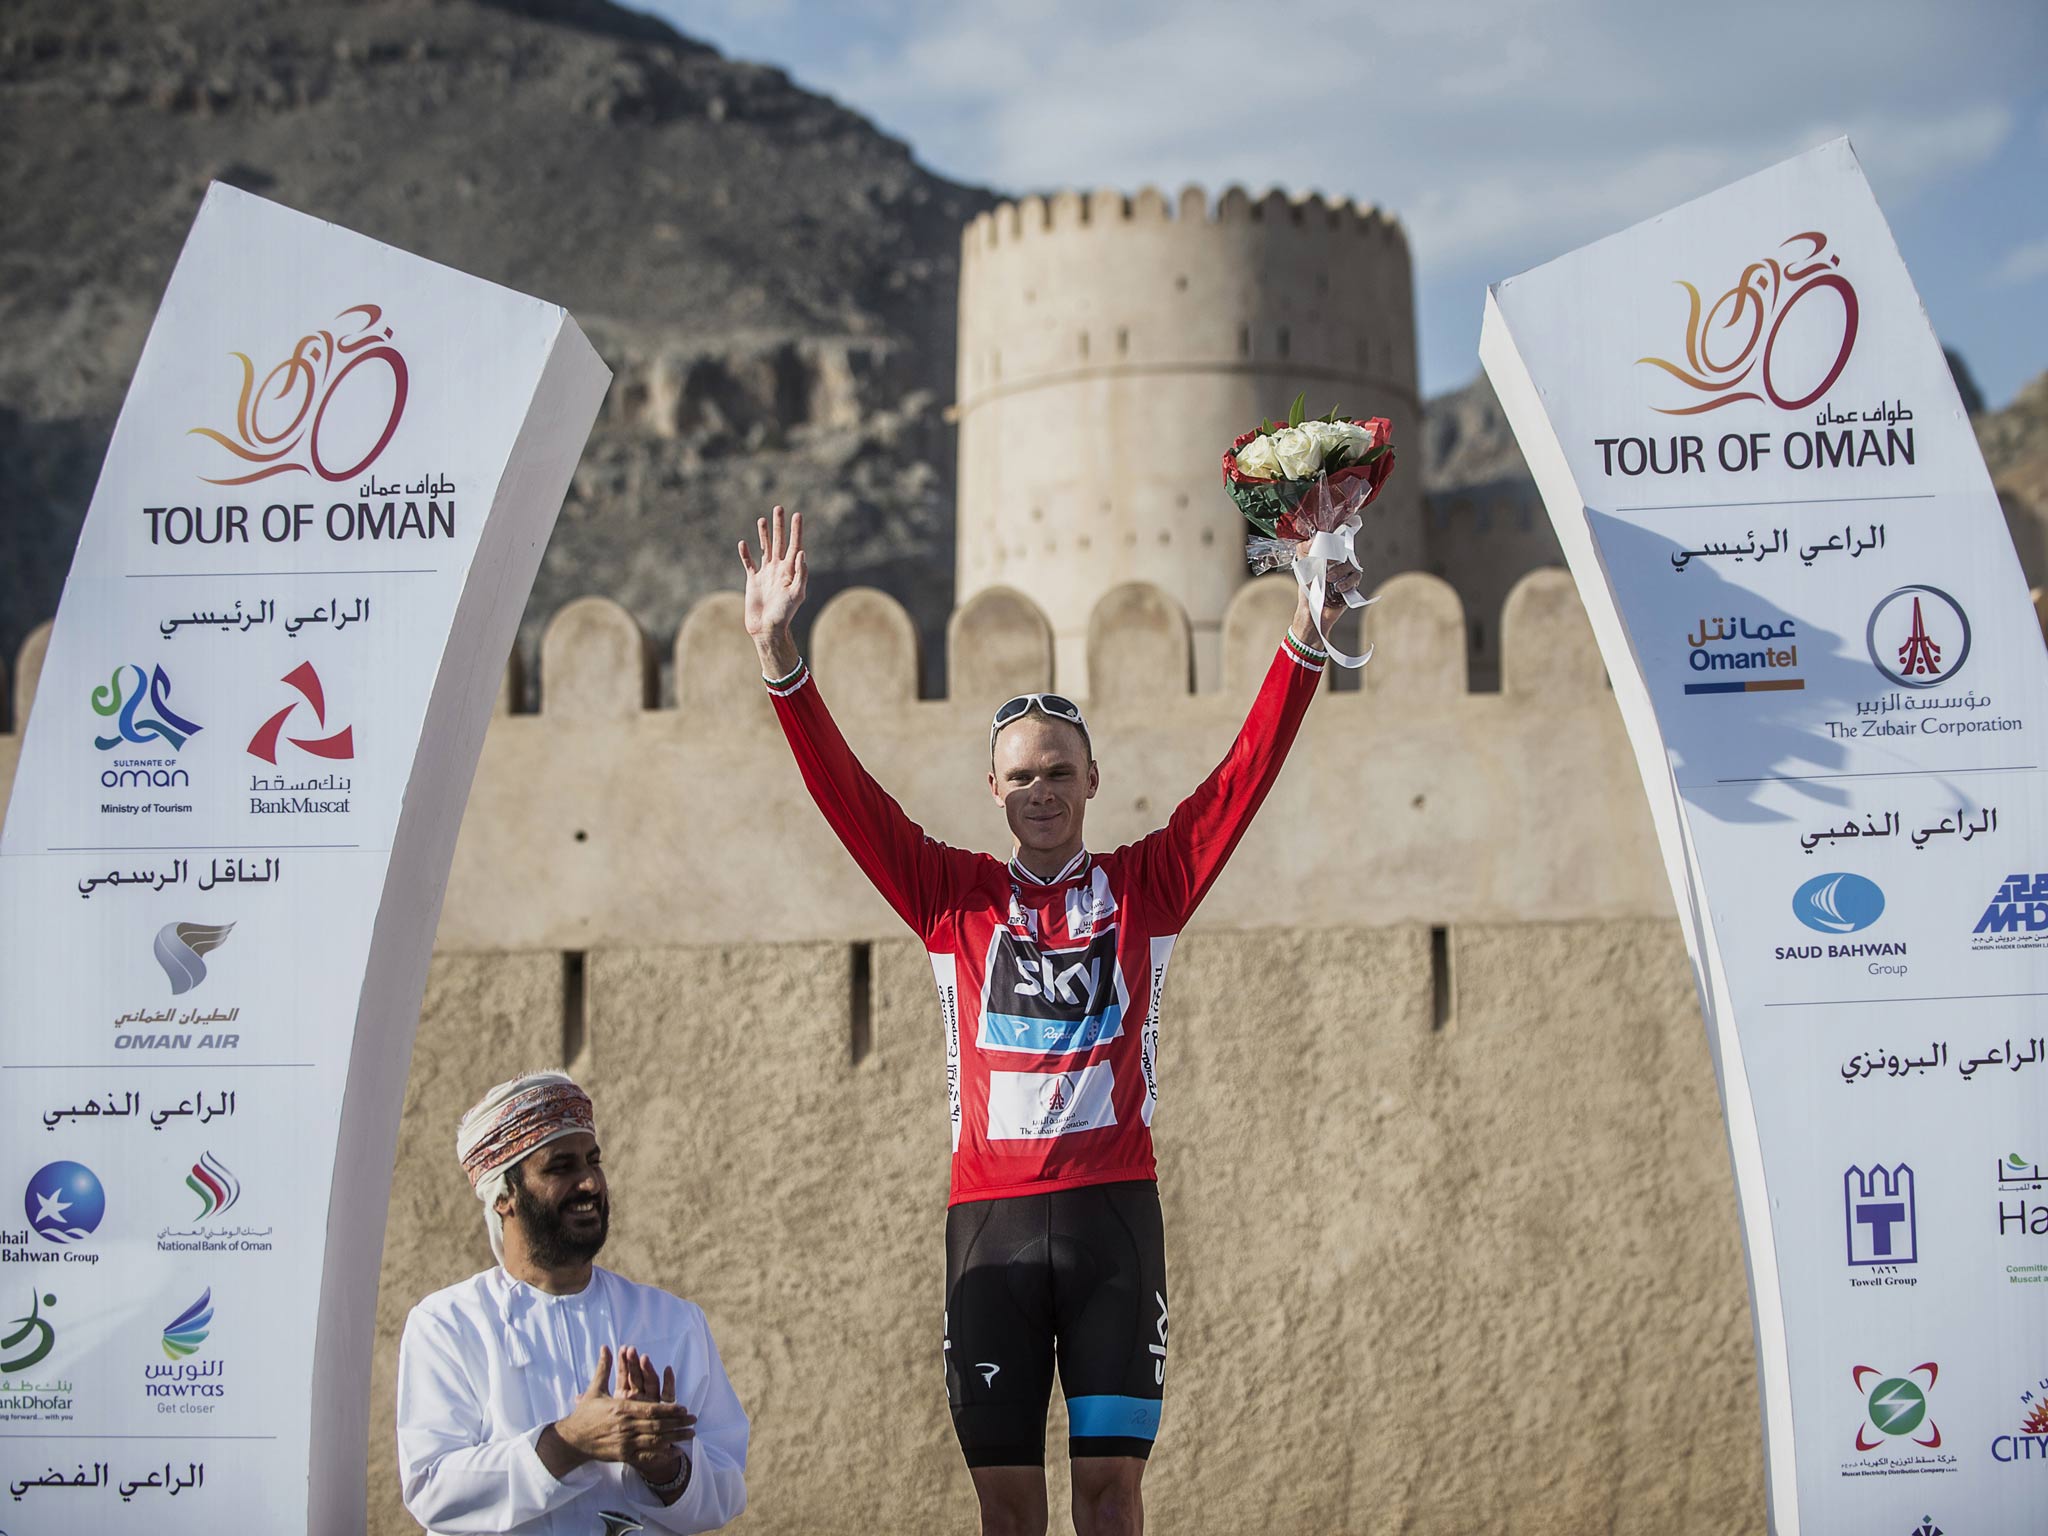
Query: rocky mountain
point(772, 280)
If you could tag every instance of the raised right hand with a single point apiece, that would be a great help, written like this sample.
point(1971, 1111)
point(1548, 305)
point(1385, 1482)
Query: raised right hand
point(776, 587)
point(629, 1429)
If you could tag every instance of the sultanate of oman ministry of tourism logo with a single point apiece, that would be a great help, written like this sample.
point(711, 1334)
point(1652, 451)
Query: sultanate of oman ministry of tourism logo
point(282, 424)
point(1732, 346)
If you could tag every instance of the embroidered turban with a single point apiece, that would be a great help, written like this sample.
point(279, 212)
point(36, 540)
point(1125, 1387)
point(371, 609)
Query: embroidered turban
point(511, 1121)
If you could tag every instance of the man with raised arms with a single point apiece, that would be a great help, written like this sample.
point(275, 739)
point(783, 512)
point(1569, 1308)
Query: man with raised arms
point(1049, 969)
point(547, 1396)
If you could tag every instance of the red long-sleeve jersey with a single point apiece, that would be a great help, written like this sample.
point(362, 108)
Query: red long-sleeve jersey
point(1050, 989)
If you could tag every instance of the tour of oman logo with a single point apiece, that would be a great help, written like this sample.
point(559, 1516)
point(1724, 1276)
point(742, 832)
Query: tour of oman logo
point(111, 701)
point(187, 1331)
point(340, 745)
point(217, 1188)
point(279, 422)
point(1731, 345)
point(1896, 1405)
point(179, 947)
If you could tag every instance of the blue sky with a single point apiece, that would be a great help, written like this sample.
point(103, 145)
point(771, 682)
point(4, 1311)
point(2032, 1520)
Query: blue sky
point(1501, 132)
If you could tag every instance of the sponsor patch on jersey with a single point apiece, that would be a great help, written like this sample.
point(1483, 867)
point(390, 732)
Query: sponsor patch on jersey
point(1051, 1002)
point(1036, 1106)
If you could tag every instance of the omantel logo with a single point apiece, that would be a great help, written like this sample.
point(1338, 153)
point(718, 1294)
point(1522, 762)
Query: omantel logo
point(1918, 637)
point(282, 424)
point(1731, 345)
point(340, 746)
point(1896, 1406)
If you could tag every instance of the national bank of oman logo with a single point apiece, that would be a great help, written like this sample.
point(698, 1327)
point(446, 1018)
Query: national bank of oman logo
point(282, 424)
point(187, 1331)
point(1896, 1406)
point(122, 699)
point(1733, 346)
point(180, 948)
point(217, 1188)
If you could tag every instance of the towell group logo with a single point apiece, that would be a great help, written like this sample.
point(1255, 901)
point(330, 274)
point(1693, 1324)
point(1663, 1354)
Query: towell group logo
point(1732, 346)
point(342, 387)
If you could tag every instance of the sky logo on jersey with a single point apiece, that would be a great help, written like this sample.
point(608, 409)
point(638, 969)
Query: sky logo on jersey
point(1051, 1002)
point(1884, 1223)
point(1037, 1106)
point(1838, 903)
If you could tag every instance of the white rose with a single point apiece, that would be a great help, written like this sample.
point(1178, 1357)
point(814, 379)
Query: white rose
point(1330, 440)
point(1300, 456)
point(1353, 440)
point(1256, 459)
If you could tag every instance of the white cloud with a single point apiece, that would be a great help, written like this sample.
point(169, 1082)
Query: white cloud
point(2023, 264)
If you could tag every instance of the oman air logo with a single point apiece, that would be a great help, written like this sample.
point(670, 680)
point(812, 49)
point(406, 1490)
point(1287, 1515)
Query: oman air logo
point(30, 1339)
point(341, 387)
point(1896, 1406)
point(187, 1331)
point(123, 698)
point(1739, 347)
point(65, 1202)
point(179, 947)
point(340, 745)
point(217, 1188)
point(1918, 637)
point(1838, 903)
point(1884, 1224)
point(616, 1524)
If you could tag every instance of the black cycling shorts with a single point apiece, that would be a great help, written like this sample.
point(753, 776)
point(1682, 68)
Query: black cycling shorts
point(1079, 1274)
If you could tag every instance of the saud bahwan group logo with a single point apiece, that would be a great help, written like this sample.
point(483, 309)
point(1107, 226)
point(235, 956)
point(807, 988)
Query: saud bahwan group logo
point(328, 409)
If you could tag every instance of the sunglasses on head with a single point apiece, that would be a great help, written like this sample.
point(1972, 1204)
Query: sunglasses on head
point(1056, 706)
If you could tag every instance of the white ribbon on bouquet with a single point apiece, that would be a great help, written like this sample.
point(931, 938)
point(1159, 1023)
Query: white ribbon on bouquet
point(1311, 573)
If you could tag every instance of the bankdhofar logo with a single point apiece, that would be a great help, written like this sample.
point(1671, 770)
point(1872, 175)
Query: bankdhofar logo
point(329, 408)
point(125, 697)
point(65, 1202)
point(1782, 332)
point(1896, 1406)
point(217, 1188)
point(1883, 1221)
point(1918, 636)
point(338, 746)
point(187, 1331)
point(1838, 903)
point(179, 950)
point(29, 1338)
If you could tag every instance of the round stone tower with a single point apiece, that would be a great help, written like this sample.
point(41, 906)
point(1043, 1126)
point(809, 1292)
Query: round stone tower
point(1109, 352)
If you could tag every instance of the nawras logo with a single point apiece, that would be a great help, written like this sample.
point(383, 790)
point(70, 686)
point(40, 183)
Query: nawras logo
point(283, 423)
point(29, 1339)
point(2031, 1443)
point(2017, 917)
point(1918, 636)
point(1883, 1222)
point(1838, 903)
point(1732, 346)
point(339, 746)
point(179, 947)
point(187, 1331)
point(1896, 1406)
point(217, 1188)
point(124, 704)
point(65, 1202)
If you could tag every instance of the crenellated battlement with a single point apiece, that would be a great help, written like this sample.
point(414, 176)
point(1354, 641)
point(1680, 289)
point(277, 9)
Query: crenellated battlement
point(1108, 210)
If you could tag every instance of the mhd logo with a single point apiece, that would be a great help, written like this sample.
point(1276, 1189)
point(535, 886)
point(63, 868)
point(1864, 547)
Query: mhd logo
point(2017, 916)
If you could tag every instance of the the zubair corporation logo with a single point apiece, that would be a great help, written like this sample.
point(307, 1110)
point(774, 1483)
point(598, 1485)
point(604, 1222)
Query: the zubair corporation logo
point(185, 1385)
point(1918, 637)
point(2030, 1444)
point(2017, 916)
point(1732, 346)
point(343, 386)
point(181, 947)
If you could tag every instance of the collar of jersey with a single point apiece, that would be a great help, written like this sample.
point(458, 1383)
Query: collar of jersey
point(1073, 869)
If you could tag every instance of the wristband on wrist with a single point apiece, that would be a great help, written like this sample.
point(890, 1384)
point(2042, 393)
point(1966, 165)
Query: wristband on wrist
point(675, 1484)
point(1305, 651)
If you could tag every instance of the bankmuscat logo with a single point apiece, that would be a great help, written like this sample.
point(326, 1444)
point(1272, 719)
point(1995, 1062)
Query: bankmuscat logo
point(339, 747)
point(279, 422)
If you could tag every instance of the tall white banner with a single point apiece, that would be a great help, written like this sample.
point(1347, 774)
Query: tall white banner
point(224, 855)
point(1817, 630)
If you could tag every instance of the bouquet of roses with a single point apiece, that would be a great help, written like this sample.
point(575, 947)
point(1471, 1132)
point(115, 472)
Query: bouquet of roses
point(1310, 481)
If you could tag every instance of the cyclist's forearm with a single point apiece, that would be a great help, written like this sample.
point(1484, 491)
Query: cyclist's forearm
point(778, 653)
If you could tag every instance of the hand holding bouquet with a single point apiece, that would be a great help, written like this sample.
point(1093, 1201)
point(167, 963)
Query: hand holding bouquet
point(1304, 486)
